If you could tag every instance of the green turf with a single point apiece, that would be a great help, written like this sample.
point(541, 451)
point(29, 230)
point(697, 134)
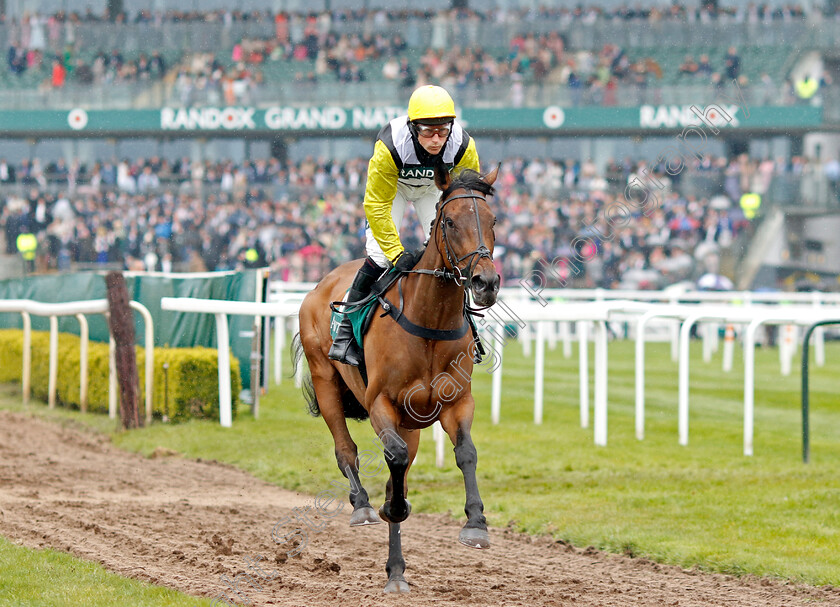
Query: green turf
point(46, 578)
point(704, 505)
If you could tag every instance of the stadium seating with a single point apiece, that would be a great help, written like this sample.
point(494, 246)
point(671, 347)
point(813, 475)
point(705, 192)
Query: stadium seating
point(772, 51)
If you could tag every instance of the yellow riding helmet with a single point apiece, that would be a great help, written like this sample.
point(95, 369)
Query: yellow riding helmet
point(431, 103)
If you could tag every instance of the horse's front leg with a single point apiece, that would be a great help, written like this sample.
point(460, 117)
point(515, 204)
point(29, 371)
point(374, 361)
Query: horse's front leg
point(400, 447)
point(383, 418)
point(395, 567)
point(457, 422)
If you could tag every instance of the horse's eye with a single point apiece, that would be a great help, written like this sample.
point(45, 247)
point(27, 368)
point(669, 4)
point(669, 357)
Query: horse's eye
point(450, 223)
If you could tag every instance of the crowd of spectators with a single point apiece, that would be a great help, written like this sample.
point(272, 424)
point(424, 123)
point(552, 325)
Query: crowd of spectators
point(537, 58)
point(48, 46)
point(57, 65)
point(584, 13)
point(304, 218)
point(206, 80)
point(590, 78)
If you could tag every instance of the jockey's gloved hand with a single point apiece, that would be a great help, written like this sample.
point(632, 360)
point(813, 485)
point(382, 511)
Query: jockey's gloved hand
point(406, 261)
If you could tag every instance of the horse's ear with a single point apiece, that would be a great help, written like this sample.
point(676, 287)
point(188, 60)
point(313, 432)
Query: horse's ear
point(442, 176)
point(490, 178)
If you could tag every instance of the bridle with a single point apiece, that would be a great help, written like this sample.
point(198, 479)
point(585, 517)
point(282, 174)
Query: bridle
point(482, 252)
point(459, 275)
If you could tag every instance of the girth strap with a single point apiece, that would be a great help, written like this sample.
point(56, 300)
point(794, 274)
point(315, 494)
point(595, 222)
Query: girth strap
point(418, 331)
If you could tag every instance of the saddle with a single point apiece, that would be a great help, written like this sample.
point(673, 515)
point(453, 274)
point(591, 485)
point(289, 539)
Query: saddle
point(361, 314)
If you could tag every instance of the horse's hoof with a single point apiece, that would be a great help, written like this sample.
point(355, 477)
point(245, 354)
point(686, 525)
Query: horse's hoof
point(364, 516)
point(384, 514)
point(474, 538)
point(398, 585)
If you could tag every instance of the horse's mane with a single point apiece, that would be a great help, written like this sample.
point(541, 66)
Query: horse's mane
point(468, 179)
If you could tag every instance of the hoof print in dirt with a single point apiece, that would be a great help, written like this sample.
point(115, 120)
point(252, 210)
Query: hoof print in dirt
point(221, 546)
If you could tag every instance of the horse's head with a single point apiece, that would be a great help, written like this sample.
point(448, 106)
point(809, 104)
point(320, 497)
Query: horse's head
point(463, 231)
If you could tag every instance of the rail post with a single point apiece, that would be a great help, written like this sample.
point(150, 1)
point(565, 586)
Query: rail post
point(806, 438)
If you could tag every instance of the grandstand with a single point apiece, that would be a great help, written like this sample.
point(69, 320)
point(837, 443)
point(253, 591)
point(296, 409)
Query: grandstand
point(152, 137)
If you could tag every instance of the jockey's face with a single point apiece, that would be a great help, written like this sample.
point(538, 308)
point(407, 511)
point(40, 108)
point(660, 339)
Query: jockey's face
point(433, 137)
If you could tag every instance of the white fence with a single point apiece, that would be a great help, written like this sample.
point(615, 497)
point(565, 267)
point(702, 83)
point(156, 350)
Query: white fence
point(540, 324)
point(221, 309)
point(78, 309)
point(639, 309)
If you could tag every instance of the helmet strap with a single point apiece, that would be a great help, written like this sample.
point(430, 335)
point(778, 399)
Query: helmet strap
point(412, 128)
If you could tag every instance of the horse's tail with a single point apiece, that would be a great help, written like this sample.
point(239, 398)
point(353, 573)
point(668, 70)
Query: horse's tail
point(306, 384)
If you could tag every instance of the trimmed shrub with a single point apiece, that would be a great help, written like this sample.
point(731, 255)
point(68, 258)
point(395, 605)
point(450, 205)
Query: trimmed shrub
point(193, 379)
point(193, 375)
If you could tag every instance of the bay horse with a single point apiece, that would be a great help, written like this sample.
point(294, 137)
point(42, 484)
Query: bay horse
point(413, 378)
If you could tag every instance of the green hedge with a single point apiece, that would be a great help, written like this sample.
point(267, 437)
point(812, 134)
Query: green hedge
point(193, 376)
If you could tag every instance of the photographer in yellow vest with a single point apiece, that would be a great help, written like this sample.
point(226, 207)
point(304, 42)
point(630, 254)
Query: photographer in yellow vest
point(27, 246)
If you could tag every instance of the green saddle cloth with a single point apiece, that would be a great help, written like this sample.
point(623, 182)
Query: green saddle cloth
point(357, 319)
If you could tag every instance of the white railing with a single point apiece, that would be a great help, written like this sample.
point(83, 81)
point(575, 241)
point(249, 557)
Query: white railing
point(78, 309)
point(689, 315)
point(601, 306)
point(673, 295)
point(221, 309)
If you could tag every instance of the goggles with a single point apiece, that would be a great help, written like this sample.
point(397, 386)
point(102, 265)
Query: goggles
point(428, 131)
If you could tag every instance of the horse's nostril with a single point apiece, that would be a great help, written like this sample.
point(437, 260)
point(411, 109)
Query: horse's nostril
point(478, 283)
point(496, 282)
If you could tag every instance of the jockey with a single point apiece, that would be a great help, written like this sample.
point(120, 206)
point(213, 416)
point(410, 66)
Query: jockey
point(400, 171)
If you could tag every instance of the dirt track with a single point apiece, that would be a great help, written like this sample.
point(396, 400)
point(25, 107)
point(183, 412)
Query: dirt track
point(184, 524)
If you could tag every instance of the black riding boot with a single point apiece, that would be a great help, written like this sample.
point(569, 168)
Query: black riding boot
point(344, 347)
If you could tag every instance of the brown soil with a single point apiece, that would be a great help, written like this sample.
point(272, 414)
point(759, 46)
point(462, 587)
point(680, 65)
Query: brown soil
point(185, 524)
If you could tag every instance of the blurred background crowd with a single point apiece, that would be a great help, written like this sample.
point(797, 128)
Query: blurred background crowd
point(193, 208)
point(302, 219)
point(541, 61)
